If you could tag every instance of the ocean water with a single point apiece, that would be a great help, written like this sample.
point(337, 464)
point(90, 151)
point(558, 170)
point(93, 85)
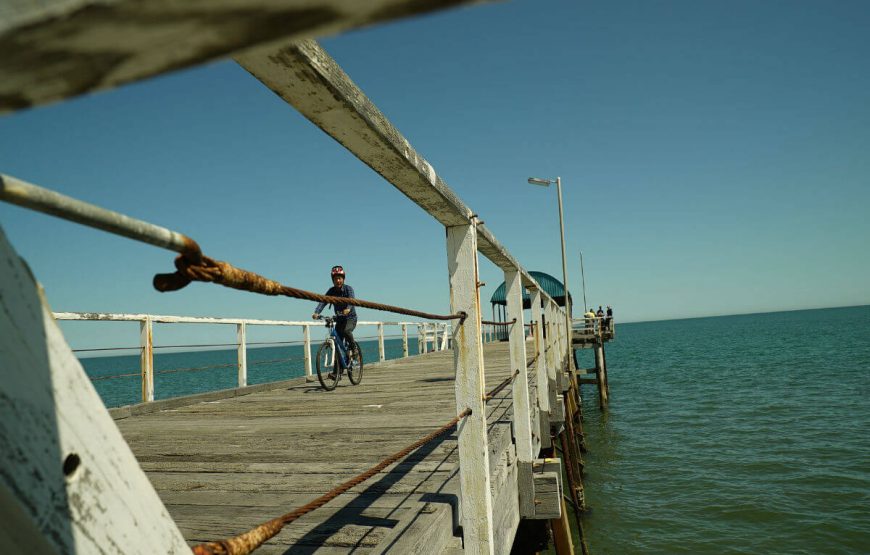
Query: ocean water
point(737, 434)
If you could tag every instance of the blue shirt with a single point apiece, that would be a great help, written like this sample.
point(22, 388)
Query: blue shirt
point(343, 291)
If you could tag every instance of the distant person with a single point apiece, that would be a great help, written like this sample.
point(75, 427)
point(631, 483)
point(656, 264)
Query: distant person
point(600, 316)
point(609, 318)
point(590, 318)
point(345, 314)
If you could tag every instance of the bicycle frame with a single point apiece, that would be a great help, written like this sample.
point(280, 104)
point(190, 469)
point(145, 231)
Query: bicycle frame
point(338, 341)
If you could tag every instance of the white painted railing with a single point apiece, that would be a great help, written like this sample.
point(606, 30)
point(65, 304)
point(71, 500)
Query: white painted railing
point(427, 332)
point(305, 76)
point(596, 325)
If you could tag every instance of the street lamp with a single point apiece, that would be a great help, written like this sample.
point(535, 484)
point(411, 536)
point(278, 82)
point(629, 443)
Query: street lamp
point(558, 182)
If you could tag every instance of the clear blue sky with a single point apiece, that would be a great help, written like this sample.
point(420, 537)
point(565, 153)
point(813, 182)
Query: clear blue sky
point(715, 159)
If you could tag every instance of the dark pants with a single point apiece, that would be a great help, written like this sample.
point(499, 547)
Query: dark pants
point(344, 327)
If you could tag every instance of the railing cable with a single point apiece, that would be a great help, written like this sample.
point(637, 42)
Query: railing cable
point(491, 323)
point(191, 264)
point(501, 386)
point(244, 544)
point(189, 269)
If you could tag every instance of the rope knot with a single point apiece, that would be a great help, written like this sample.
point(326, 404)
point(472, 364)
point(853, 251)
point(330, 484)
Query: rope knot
point(206, 269)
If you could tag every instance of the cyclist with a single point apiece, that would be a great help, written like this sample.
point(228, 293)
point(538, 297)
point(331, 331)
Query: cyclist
point(345, 314)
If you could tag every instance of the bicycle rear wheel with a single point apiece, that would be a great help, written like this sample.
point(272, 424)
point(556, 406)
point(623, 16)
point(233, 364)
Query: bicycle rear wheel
point(327, 366)
point(356, 366)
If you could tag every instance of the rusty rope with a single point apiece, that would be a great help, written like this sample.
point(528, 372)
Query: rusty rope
point(244, 544)
point(514, 321)
point(206, 269)
point(501, 386)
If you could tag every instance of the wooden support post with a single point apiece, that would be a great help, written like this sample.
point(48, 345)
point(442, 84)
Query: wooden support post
point(68, 480)
point(381, 355)
point(243, 355)
point(306, 336)
point(566, 348)
point(521, 411)
point(405, 340)
point(562, 533)
point(552, 349)
point(571, 448)
point(476, 496)
point(601, 375)
point(146, 358)
point(542, 381)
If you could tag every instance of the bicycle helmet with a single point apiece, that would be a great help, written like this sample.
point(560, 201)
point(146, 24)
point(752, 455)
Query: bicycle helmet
point(337, 271)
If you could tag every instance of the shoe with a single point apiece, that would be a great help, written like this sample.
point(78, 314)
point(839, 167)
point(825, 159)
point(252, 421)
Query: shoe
point(331, 375)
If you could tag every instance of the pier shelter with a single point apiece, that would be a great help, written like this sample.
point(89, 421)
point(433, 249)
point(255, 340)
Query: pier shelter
point(498, 301)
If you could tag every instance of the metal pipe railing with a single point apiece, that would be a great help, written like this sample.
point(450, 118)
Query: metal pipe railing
point(21, 193)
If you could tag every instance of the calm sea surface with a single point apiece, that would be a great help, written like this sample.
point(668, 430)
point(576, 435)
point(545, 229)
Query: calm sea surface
point(736, 434)
point(186, 373)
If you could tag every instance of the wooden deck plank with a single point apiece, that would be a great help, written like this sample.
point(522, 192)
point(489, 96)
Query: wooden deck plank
point(222, 466)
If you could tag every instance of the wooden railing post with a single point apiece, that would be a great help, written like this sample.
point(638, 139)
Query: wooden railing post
point(540, 314)
point(541, 358)
point(146, 358)
point(522, 415)
point(476, 497)
point(243, 355)
point(381, 355)
point(306, 337)
point(405, 340)
point(560, 338)
point(421, 339)
point(551, 347)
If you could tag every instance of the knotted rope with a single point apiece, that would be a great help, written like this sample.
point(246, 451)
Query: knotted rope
point(209, 270)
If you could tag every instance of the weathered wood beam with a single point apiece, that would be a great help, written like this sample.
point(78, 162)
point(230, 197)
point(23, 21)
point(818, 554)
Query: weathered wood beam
point(520, 392)
point(474, 464)
point(56, 49)
point(310, 80)
point(68, 481)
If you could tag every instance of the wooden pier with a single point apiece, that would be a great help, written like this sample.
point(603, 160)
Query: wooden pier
point(222, 466)
point(69, 477)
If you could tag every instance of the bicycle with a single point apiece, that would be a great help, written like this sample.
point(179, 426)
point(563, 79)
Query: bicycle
point(330, 367)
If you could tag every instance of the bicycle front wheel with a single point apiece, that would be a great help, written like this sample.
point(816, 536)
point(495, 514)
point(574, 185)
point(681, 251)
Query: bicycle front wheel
point(327, 366)
point(356, 366)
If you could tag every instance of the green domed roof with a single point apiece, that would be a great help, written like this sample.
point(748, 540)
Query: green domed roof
point(551, 286)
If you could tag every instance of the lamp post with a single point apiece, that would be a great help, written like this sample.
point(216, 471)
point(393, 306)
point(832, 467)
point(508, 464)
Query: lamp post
point(558, 182)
